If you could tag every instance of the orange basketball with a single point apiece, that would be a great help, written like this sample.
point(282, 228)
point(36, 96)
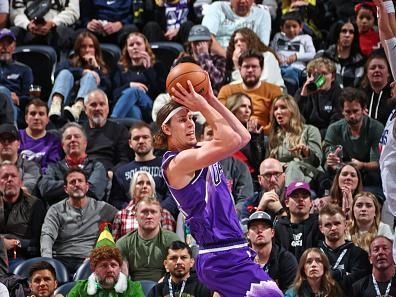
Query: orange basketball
point(183, 72)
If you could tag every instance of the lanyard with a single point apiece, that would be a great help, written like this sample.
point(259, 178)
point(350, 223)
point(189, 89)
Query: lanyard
point(339, 258)
point(171, 289)
point(377, 290)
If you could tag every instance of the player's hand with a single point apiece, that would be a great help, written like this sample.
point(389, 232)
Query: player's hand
point(188, 98)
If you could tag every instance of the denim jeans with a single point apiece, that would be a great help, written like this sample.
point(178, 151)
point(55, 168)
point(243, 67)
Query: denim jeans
point(292, 76)
point(16, 111)
point(64, 83)
point(133, 103)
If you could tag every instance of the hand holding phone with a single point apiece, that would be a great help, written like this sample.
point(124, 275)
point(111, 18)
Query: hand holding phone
point(39, 21)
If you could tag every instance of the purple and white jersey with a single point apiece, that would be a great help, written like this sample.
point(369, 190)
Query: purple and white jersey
point(211, 216)
point(207, 204)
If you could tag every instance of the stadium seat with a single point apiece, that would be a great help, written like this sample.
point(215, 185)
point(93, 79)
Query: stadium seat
point(111, 55)
point(64, 289)
point(42, 59)
point(83, 272)
point(127, 122)
point(147, 285)
point(62, 275)
point(166, 52)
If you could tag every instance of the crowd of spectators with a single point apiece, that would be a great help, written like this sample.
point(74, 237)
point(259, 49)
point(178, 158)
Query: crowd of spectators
point(314, 92)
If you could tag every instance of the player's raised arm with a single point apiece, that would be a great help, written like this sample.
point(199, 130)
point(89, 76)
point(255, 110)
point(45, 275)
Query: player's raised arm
point(178, 127)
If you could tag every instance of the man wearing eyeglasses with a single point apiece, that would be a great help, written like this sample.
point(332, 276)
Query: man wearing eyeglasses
point(271, 197)
point(251, 66)
point(299, 230)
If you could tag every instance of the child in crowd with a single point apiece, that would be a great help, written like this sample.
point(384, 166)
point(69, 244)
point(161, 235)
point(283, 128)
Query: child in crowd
point(365, 20)
point(293, 49)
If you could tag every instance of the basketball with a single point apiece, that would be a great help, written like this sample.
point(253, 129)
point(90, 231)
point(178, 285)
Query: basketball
point(183, 72)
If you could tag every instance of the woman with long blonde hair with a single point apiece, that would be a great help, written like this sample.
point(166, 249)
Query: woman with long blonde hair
point(292, 142)
point(314, 277)
point(366, 224)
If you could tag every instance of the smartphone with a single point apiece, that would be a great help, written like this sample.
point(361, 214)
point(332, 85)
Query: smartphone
point(39, 21)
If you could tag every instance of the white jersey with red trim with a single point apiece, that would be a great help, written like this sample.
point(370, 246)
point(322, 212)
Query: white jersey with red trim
point(387, 162)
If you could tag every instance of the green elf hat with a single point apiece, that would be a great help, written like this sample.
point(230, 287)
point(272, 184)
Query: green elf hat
point(105, 238)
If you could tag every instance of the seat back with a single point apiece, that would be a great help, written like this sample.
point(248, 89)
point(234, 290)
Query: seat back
point(166, 52)
point(147, 285)
point(42, 60)
point(111, 55)
point(83, 272)
point(62, 275)
point(64, 289)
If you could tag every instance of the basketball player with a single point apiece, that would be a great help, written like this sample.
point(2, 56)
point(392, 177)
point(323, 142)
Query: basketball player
point(387, 31)
point(197, 183)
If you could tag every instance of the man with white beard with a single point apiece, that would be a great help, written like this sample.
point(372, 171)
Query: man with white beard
point(107, 140)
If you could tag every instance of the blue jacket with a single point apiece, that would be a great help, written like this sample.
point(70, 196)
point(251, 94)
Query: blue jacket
point(109, 10)
point(16, 77)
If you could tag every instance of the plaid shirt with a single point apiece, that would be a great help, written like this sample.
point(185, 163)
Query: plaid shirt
point(125, 221)
point(215, 66)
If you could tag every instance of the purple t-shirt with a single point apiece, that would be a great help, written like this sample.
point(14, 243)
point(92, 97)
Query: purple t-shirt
point(43, 151)
point(208, 205)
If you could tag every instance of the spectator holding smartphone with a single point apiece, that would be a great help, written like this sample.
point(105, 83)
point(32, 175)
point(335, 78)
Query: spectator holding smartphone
point(52, 28)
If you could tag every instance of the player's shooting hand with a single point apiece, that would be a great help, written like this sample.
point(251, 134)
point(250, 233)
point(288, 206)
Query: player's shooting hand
point(188, 98)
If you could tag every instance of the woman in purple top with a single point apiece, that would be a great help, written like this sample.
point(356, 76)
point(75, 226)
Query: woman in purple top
point(197, 183)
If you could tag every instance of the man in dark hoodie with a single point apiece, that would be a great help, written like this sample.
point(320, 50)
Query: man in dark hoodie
point(179, 278)
point(349, 262)
point(300, 229)
point(280, 264)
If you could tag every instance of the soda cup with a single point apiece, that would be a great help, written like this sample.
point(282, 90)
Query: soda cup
point(35, 91)
point(317, 83)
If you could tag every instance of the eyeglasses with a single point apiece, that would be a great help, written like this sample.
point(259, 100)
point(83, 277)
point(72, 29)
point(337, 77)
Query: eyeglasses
point(350, 31)
point(269, 175)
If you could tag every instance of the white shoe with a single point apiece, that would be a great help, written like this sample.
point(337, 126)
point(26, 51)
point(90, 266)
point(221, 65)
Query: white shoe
point(55, 110)
point(73, 112)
